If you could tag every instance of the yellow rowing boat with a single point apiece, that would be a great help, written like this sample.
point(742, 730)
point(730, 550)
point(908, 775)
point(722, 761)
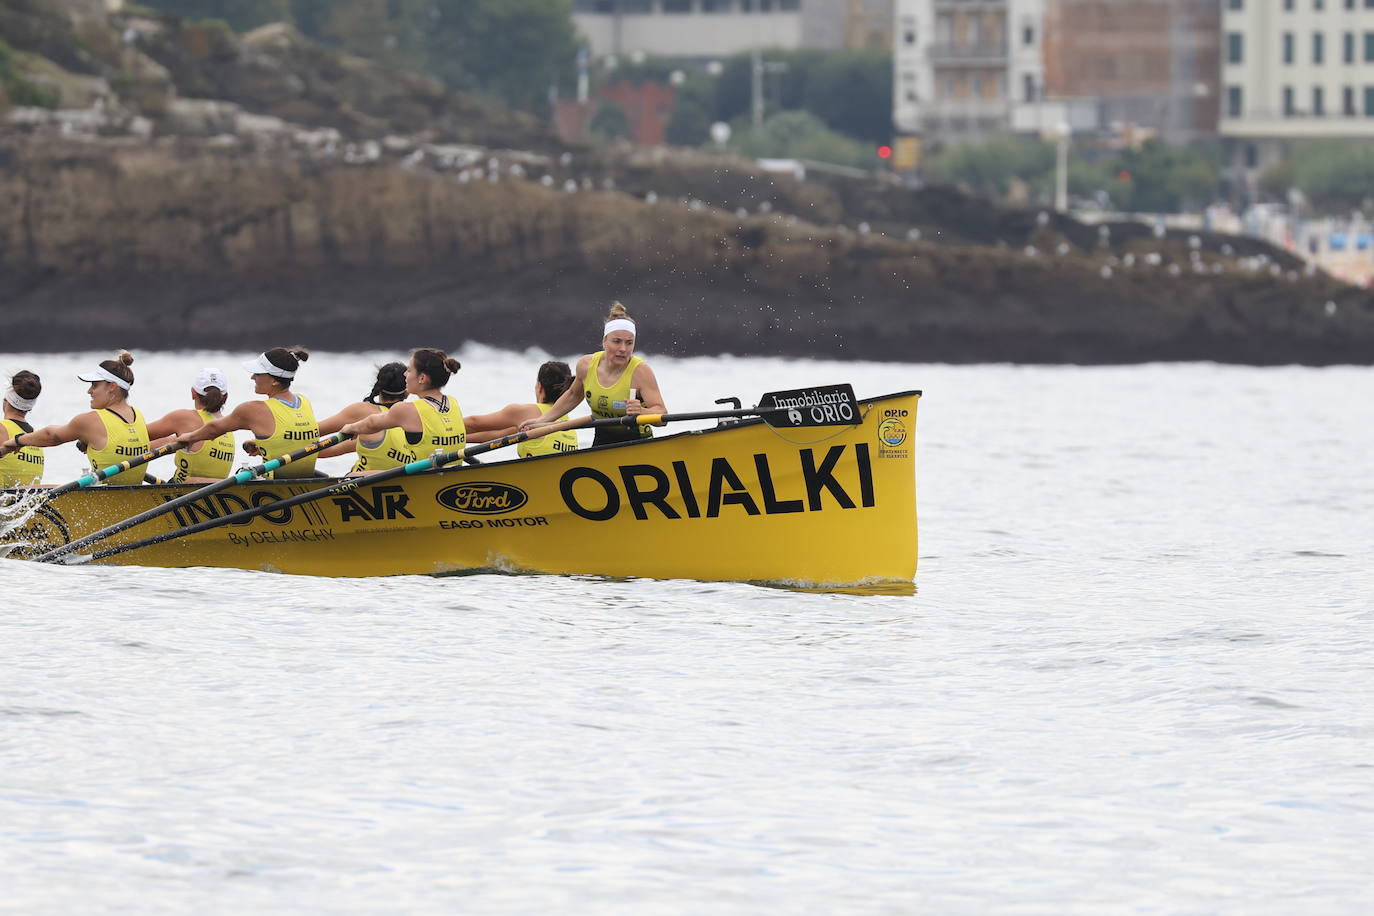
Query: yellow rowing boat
point(744, 501)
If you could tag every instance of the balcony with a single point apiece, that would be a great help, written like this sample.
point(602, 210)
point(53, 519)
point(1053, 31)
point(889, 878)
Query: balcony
point(979, 55)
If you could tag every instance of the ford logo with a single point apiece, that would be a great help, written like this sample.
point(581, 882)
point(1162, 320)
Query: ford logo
point(482, 497)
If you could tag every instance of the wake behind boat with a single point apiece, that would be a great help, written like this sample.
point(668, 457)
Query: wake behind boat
point(746, 501)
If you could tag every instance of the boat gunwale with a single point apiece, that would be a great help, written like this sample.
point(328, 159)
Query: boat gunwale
point(471, 468)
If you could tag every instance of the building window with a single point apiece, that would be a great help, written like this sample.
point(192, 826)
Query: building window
point(977, 85)
point(1369, 47)
point(1028, 87)
point(1369, 101)
point(715, 6)
point(677, 6)
point(1288, 109)
point(1318, 48)
point(1348, 101)
point(1288, 6)
point(1318, 101)
point(1318, 5)
point(1251, 156)
point(1348, 41)
point(1287, 47)
point(1028, 35)
point(1235, 102)
point(1235, 47)
point(1235, 4)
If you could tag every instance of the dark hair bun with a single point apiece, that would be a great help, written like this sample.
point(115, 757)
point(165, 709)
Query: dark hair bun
point(26, 384)
point(452, 365)
point(301, 354)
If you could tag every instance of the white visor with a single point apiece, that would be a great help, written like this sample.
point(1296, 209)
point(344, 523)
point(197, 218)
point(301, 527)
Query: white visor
point(264, 366)
point(619, 324)
point(210, 377)
point(19, 403)
point(100, 374)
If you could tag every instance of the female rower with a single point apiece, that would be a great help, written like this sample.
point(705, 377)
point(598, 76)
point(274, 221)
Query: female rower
point(204, 461)
point(609, 381)
point(388, 390)
point(553, 379)
point(430, 423)
point(113, 431)
point(23, 468)
point(282, 422)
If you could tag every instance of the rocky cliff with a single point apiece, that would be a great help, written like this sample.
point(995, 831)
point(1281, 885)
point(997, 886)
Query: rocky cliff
point(179, 244)
point(198, 189)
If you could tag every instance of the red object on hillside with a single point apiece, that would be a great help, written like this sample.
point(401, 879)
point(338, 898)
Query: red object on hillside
point(647, 106)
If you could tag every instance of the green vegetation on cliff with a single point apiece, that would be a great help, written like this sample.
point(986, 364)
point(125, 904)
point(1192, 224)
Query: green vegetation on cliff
point(511, 49)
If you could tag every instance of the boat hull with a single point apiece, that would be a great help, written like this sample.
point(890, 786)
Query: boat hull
point(746, 502)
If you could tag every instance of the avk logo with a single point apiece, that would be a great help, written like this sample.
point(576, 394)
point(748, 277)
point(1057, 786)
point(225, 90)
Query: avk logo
point(384, 503)
point(482, 497)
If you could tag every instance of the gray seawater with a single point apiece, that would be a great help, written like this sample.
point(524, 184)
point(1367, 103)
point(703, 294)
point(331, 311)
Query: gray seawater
point(1135, 677)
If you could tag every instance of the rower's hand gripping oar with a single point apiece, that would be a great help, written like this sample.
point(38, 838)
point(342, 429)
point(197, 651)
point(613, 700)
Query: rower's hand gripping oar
point(842, 411)
point(243, 476)
point(96, 477)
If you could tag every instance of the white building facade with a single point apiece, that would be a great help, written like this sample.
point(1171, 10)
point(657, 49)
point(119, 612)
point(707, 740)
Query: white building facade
point(964, 68)
point(714, 28)
point(1295, 69)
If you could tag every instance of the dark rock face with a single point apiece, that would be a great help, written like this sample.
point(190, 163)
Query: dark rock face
point(106, 243)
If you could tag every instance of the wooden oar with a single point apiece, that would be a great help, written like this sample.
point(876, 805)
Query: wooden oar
point(243, 476)
point(846, 414)
point(96, 477)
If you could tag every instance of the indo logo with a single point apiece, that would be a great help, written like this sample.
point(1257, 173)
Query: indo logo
point(482, 498)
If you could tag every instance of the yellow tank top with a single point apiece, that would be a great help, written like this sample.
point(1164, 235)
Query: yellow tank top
point(122, 442)
point(23, 468)
point(214, 459)
point(392, 452)
point(296, 428)
point(609, 402)
point(444, 430)
point(553, 444)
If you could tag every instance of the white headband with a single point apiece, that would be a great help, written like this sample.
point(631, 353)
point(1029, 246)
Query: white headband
point(264, 366)
point(101, 374)
point(619, 324)
point(20, 403)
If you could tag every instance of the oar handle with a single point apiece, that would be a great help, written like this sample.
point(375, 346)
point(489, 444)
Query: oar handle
point(96, 476)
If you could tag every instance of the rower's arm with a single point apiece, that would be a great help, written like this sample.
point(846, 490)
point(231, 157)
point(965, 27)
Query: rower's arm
point(247, 415)
point(178, 421)
point(567, 400)
point(80, 428)
point(403, 415)
point(488, 426)
point(350, 414)
point(650, 398)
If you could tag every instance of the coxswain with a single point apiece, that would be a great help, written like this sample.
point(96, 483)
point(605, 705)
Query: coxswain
point(23, 467)
point(551, 382)
point(388, 390)
point(431, 422)
point(281, 423)
point(614, 382)
point(112, 431)
point(205, 461)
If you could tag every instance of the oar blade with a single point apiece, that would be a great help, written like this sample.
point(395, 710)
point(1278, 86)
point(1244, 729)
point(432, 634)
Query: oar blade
point(820, 405)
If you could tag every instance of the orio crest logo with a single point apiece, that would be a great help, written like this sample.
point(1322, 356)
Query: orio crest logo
point(892, 432)
point(480, 497)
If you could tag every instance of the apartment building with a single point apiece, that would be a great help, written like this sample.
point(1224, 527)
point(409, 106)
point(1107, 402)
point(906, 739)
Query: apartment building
point(1295, 69)
point(963, 67)
point(968, 67)
point(712, 29)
